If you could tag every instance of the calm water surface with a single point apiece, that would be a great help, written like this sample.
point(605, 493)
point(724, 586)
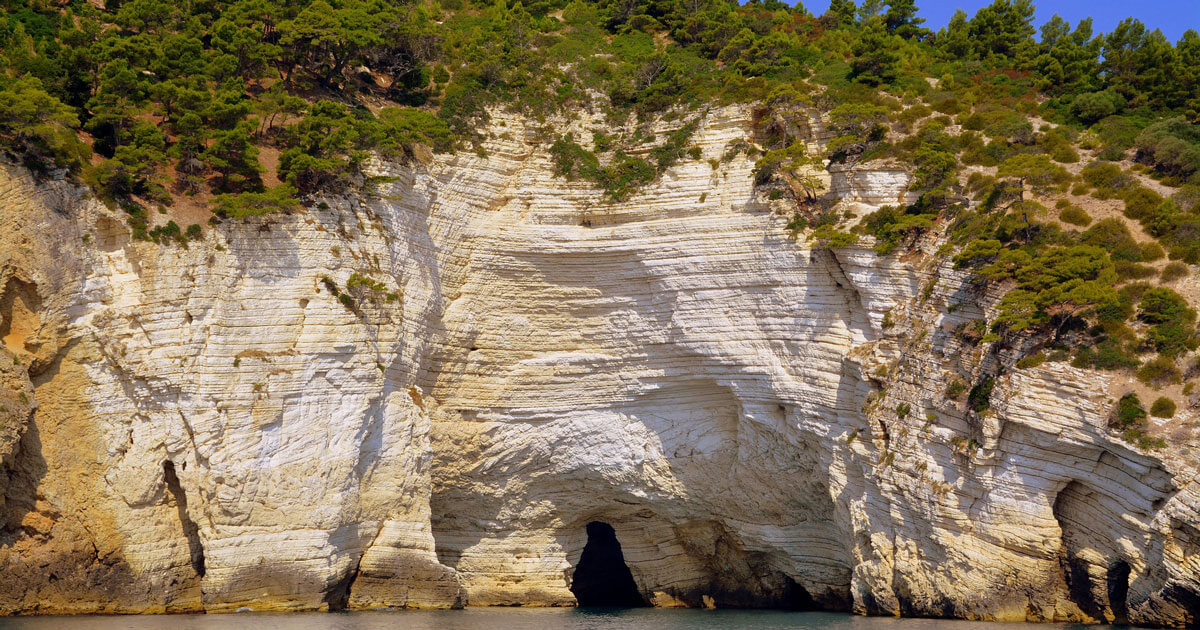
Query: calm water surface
point(514, 619)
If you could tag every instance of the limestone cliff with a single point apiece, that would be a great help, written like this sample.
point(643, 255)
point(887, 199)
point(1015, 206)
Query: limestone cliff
point(763, 422)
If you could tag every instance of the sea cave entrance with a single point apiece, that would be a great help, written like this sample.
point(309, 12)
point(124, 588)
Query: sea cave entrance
point(602, 577)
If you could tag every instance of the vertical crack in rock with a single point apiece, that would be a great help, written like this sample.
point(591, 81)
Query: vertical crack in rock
point(190, 529)
point(338, 595)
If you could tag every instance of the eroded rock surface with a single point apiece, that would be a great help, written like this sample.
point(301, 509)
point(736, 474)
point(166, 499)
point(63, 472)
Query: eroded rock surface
point(761, 421)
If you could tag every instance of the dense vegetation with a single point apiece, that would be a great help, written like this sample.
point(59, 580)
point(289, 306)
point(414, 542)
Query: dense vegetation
point(148, 100)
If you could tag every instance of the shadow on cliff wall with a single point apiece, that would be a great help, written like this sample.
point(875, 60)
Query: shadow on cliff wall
point(24, 473)
point(700, 458)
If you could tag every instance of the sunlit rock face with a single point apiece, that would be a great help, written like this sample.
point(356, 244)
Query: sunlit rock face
point(761, 421)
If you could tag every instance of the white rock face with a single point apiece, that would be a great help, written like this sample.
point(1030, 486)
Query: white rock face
point(760, 421)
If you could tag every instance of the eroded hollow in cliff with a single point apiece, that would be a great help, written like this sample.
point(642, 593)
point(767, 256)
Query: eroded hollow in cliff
point(19, 307)
point(602, 577)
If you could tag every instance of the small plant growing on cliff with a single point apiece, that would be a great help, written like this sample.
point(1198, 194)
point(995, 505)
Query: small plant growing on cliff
point(330, 285)
point(955, 389)
point(797, 224)
point(251, 204)
point(359, 281)
point(979, 400)
point(903, 409)
point(346, 301)
point(830, 237)
point(794, 165)
point(164, 234)
point(1163, 407)
point(1031, 361)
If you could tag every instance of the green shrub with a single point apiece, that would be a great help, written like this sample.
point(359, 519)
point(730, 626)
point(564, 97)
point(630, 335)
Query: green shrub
point(1117, 132)
point(1114, 237)
point(1159, 372)
point(1145, 442)
point(1031, 361)
point(1090, 107)
point(1109, 354)
point(572, 161)
point(250, 204)
point(359, 281)
point(1174, 271)
point(830, 237)
point(1140, 202)
point(38, 124)
point(903, 409)
point(955, 389)
point(1129, 411)
point(167, 233)
point(1075, 215)
point(1106, 176)
point(979, 400)
point(1172, 145)
point(1163, 407)
point(1133, 271)
point(1152, 251)
point(1172, 321)
point(892, 225)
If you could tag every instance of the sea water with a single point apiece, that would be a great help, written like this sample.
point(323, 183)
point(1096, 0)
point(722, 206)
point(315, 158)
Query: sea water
point(512, 619)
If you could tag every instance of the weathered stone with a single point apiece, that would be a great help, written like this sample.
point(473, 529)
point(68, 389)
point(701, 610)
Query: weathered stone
point(214, 429)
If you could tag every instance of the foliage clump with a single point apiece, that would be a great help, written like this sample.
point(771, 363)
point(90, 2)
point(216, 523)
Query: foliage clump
point(1163, 407)
point(1129, 417)
point(250, 204)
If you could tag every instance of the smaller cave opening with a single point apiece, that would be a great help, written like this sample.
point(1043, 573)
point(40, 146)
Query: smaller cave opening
point(796, 597)
point(602, 579)
point(1118, 591)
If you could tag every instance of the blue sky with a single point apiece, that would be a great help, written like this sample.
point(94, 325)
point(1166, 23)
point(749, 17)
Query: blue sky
point(1173, 17)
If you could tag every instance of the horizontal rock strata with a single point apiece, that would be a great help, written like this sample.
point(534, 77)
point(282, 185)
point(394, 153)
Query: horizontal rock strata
point(761, 421)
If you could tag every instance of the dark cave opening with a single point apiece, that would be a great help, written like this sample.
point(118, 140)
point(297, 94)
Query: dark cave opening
point(602, 578)
point(1118, 591)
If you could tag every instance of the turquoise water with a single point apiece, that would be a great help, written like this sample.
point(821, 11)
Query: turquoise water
point(513, 619)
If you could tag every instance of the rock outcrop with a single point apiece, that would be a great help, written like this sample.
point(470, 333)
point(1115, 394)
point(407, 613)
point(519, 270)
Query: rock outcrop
point(763, 422)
